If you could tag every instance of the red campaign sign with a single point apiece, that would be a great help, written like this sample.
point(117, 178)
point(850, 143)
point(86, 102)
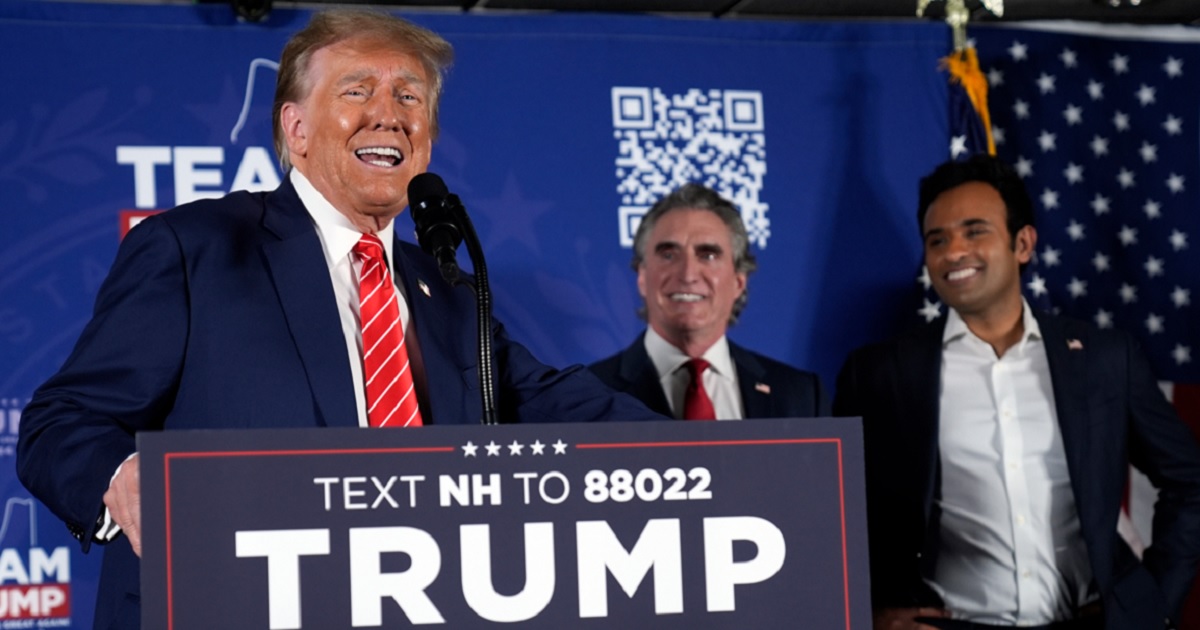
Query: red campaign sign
point(35, 601)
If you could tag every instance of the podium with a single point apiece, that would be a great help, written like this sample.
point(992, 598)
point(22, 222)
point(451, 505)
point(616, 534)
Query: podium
point(752, 524)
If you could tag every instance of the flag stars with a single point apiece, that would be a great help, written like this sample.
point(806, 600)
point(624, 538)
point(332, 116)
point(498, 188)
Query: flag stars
point(1100, 262)
point(1152, 209)
point(1051, 257)
point(1182, 354)
point(1178, 240)
point(1049, 199)
point(1021, 109)
point(1045, 83)
point(1037, 285)
point(1173, 67)
point(958, 146)
point(1075, 230)
point(1120, 120)
point(1095, 90)
point(1145, 95)
point(1018, 51)
point(995, 77)
point(1128, 293)
point(1127, 235)
point(931, 311)
point(1181, 297)
point(924, 278)
point(1073, 114)
point(1077, 288)
point(1073, 173)
point(1103, 319)
point(1101, 204)
point(1069, 58)
point(1149, 152)
point(1119, 63)
point(1126, 178)
point(998, 134)
point(1047, 141)
point(1099, 146)
point(1153, 266)
point(1173, 125)
point(1024, 166)
point(1154, 324)
point(1175, 183)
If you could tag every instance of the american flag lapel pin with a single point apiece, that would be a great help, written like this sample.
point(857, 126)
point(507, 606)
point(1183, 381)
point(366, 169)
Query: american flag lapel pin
point(423, 287)
point(1074, 344)
point(762, 387)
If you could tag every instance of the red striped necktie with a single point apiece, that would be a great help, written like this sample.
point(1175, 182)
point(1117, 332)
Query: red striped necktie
point(696, 403)
point(391, 399)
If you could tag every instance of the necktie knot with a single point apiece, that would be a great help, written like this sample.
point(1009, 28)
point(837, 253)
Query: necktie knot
point(369, 247)
point(697, 367)
point(696, 403)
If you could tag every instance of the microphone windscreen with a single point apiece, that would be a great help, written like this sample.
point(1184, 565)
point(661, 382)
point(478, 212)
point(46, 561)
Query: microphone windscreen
point(426, 187)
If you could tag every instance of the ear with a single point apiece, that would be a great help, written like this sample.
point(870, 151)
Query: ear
point(641, 280)
point(741, 283)
point(295, 132)
point(1025, 243)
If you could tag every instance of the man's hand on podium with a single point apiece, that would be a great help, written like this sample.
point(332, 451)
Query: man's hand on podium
point(124, 502)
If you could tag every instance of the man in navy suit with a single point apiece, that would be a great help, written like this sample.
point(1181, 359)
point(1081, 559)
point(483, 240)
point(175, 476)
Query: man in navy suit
point(692, 258)
point(243, 311)
point(998, 439)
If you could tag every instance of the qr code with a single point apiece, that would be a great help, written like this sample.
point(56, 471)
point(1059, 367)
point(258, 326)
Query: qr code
point(712, 137)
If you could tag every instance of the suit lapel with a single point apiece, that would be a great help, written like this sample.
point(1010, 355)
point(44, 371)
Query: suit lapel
point(756, 403)
point(641, 379)
point(1067, 354)
point(297, 266)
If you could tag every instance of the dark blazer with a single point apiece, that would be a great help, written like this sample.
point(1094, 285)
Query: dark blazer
point(790, 393)
point(221, 314)
point(1110, 411)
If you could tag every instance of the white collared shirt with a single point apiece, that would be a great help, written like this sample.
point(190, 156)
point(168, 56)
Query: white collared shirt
point(1011, 548)
point(338, 237)
point(720, 380)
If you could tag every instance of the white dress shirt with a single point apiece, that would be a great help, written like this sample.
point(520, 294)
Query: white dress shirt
point(1011, 548)
point(720, 380)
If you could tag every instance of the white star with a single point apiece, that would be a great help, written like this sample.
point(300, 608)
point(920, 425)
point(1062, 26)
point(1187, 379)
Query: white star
point(1173, 125)
point(1099, 146)
point(1046, 141)
point(1121, 121)
point(930, 311)
point(1068, 58)
point(1024, 166)
point(1049, 199)
point(469, 449)
point(1045, 83)
point(1175, 183)
point(995, 77)
point(1127, 235)
point(1120, 64)
point(958, 146)
point(1073, 114)
point(1149, 152)
point(493, 449)
point(537, 447)
point(1037, 285)
point(560, 448)
point(1178, 240)
point(515, 448)
point(1154, 324)
point(1075, 230)
point(1103, 319)
point(997, 135)
point(1100, 262)
point(1145, 95)
point(1154, 266)
point(1173, 67)
point(1021, 109)
point(1050, 256)
point(1128, 293)
point(1100, 204)
point(1182, 354)
point(1018, 51)
point(1152, 209)
point(1095, 90)
point(1126, 178)
point(1073, 173)
point(924, 278)
point(1181, 297)
point(1077, 288)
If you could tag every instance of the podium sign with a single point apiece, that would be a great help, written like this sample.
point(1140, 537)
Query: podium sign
point(757, 524)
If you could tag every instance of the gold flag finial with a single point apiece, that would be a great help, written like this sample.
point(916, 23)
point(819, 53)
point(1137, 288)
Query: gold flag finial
point(957, 16)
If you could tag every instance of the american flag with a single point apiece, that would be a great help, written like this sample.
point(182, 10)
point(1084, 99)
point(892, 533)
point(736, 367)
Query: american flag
point(1103, 125)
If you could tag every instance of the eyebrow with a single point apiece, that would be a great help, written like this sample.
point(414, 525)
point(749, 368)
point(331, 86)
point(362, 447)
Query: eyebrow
point(360, 75)
point(964, 223)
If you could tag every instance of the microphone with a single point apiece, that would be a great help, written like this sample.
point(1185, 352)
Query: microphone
point(434, 212)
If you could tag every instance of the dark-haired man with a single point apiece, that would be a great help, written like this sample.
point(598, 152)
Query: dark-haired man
point(294, 308)
point(692, 257)
point(997, 442)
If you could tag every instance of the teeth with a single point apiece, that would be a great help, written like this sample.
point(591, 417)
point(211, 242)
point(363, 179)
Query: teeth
point(686, 297)
point(380, 151)
point(960, 274)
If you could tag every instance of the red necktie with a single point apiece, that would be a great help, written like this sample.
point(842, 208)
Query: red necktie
point(391, 399)
point(696, 404)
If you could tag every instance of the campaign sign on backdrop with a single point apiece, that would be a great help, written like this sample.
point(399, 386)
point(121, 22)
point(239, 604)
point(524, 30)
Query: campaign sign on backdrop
point(665, 525)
